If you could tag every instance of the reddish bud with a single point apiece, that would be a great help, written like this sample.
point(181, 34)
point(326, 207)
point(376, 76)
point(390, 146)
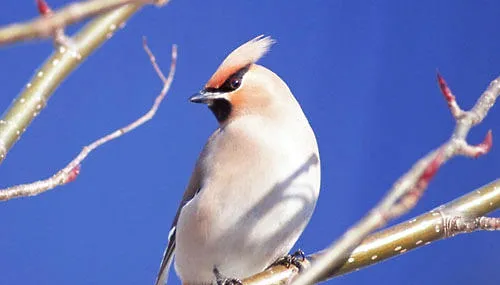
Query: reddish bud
point(486, 145)
point(448, 96)
point(73, 174)
point(43, 7)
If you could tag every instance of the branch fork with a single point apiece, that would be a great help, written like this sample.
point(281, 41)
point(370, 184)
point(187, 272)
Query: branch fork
point(59, 36)
point(71, 171)
point(408, 189)
point(44, 27)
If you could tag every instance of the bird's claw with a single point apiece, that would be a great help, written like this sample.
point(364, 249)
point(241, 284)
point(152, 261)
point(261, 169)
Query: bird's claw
point(295, 259)
point(223, 280)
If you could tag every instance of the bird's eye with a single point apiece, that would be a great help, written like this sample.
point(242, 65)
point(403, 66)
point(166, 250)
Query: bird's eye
point(235, 82)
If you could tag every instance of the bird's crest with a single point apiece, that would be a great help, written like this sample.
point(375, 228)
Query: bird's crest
point(242, 56)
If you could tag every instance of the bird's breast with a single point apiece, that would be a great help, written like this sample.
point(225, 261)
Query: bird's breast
point(258, 193)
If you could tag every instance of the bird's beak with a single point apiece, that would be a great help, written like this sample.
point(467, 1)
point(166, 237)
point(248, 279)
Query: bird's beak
point(206, 97)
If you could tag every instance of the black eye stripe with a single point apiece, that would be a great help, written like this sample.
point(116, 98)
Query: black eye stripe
point(232, 82)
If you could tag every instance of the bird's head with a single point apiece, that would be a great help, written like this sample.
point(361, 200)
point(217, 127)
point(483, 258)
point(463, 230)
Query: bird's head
point(240, 87)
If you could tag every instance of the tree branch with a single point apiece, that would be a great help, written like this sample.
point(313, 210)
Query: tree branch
point(45, 27)
point(406, 192)
point(57, 67)
point(71, 171)
point(463, 215)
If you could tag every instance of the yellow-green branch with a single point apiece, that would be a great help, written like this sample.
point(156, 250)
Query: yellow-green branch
point(440, 223)
point(56, 68)
point(44, 27)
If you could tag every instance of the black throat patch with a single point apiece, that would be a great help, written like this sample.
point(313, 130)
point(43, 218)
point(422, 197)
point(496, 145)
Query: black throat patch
point(221, 109)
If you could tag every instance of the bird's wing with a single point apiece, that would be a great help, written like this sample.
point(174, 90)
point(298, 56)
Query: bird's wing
point(194, 186)
point(168, 255)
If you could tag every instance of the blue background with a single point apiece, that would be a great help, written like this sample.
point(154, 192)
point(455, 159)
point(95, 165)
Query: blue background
point(364, 73)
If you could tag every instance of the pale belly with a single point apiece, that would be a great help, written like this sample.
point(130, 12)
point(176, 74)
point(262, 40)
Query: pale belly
point(247, 228)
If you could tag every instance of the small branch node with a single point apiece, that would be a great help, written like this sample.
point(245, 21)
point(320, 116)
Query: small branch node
point(72, 175)
point(58, 34)
point(459, 222)
point(466, 224)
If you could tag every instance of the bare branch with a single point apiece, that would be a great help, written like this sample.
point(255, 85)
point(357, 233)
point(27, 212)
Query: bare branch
point(45, 27)
point(405, 193)
point(71, 171)
point(462, 215)
point(57, 67)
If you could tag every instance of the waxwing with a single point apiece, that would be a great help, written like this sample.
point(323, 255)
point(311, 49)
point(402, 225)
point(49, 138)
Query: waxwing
point(256, 181)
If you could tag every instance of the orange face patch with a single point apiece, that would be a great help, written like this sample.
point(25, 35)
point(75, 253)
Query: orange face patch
point(237, 99)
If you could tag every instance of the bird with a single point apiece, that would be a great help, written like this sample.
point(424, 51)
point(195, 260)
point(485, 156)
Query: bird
point(256, 182)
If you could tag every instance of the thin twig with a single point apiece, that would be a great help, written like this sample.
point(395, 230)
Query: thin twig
point(45, 27)
point(406, 192)
point(71, 171)
point(463, 215)
point(32, 100)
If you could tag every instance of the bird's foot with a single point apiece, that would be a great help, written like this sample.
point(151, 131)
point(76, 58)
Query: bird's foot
point(223, 280)
point(295, 259)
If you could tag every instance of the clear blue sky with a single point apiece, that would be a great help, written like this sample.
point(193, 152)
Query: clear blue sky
point(364, 73)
